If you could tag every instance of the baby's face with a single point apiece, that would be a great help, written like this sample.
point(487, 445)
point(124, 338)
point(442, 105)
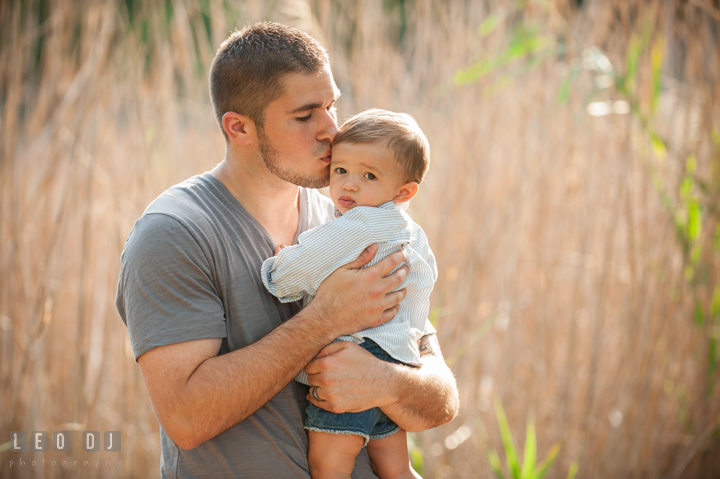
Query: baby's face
point(363, 175)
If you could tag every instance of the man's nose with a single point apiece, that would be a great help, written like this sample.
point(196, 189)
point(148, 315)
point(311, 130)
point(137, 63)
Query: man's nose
point(329, 127)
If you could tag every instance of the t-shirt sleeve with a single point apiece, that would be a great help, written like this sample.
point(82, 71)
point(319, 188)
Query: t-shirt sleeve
point(165, 292)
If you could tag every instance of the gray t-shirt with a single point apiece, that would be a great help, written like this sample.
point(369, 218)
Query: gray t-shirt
point(191, 270)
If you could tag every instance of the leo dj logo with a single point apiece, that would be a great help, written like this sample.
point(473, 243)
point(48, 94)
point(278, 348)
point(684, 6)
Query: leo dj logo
point(40, 441)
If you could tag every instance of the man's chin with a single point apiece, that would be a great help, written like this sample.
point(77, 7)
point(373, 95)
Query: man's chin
point(320, 181)
point(312, 182)
point(317, 184)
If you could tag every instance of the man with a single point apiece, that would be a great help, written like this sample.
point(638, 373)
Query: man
point(217, 352)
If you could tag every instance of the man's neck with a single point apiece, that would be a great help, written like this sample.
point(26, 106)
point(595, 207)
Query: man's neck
point(274, 203)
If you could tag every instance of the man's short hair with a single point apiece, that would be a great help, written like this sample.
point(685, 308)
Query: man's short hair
point(398, 132)
point(249, 67)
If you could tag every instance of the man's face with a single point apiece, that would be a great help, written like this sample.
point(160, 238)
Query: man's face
point(299, 126)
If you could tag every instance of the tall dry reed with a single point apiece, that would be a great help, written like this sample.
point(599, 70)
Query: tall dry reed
point(572, 207)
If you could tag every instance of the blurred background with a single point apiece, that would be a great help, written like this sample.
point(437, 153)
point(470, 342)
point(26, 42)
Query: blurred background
point(573, 204)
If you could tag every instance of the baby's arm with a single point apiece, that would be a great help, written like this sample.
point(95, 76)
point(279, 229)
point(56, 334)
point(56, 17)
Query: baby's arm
point(303, 267)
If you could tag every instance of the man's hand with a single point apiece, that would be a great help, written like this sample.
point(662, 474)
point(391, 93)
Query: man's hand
point(350, 379)
point(352, 299)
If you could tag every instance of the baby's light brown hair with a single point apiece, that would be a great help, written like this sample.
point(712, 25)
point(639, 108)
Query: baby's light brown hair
point(398, 132)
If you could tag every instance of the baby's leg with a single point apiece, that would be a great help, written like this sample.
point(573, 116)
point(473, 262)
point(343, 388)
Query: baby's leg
point(389, 457)
point(333, 455)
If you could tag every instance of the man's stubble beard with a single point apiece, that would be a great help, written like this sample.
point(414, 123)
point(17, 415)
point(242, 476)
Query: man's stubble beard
point(269, 156)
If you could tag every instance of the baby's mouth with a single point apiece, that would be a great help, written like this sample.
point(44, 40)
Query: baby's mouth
point(345, 201)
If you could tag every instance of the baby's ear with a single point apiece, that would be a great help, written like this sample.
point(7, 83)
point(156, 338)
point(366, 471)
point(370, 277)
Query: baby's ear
point(406, 192)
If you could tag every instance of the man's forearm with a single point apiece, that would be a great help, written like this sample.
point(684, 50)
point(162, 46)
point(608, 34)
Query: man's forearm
point(424, 397)
point(224, 390)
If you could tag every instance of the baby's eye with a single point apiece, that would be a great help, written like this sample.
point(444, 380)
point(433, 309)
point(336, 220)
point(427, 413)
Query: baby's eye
point(370, 176)
point(340, 171)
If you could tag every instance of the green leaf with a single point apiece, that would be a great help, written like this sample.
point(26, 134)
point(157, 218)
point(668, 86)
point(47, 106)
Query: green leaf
point(573, 470)
point(434, 315)
point(523, 42)
point(713, 354)
point(715, 304)
point(638, 44)
point(699, 316)
point(495, 464)
point(658, 146)
point(549, 459)
point(631, 67)
point(530, 453)
point(472, 74)
point(680, 223)
point(510, 452)
point(689, 273)
point(695, 254)
point(712, 363)
point(169, 12)
point(694, 220)
point(416, 460)
point(527, 40)
point(490, 23)
point(686, 188)
point(655, 68)
point(564, 91)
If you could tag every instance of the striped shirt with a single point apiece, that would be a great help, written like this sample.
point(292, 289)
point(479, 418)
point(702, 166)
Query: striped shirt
point(297, 271)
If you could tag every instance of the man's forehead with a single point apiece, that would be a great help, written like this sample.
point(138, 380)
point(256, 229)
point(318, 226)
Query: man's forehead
point(304, 91)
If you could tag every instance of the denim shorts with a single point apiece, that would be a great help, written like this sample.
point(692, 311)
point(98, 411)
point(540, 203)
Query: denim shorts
point(370, 424)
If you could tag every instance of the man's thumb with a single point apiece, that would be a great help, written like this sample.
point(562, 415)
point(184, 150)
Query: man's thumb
point(331, 348)
point(365, 257)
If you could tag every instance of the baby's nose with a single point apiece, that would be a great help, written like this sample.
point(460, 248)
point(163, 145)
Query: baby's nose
point(350, 186)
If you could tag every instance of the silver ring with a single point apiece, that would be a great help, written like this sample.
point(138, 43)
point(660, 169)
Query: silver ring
point(314, 393)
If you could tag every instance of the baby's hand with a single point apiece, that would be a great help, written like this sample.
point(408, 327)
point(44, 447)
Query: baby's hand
point(279, 248)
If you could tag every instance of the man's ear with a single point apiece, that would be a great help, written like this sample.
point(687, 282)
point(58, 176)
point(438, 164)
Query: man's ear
point(406, 193)
point(240, 129)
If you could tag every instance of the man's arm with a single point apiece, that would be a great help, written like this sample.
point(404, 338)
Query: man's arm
point(425, 397)
point(351, 379)
point(197, 394)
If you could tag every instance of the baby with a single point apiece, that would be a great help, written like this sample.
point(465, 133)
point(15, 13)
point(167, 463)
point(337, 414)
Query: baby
point(379, 158)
